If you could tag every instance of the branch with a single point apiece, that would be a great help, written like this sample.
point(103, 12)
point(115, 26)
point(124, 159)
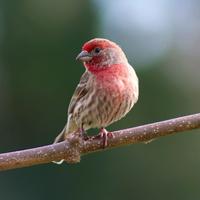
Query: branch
point(75, 146)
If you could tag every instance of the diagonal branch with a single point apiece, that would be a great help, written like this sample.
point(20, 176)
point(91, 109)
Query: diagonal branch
point(75, 146)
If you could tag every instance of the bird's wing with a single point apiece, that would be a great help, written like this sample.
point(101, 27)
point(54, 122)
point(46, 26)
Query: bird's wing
point(80, 91)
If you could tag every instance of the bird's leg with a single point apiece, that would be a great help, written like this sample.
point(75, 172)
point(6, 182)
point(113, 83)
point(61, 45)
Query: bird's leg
point(105, 135)
point(83, 133)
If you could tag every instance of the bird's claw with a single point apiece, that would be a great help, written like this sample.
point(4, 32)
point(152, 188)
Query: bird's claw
point(83, 134)
point(105, 135)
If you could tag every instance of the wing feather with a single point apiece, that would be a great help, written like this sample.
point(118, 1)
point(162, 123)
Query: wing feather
point(80, 91)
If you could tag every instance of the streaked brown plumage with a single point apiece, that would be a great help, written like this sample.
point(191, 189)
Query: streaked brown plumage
point(107, 90)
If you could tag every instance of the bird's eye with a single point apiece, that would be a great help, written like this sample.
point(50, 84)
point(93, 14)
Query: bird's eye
point(97, 50)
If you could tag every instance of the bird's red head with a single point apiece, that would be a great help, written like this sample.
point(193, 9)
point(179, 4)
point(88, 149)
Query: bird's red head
point(99, 54)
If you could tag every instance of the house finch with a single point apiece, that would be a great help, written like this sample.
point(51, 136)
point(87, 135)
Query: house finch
point(106, 92)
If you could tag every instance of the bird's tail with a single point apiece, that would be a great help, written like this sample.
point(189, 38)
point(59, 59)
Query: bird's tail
point(61, 137)
point(69, 127)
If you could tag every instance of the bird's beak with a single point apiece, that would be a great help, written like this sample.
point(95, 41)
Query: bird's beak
point(84, 56)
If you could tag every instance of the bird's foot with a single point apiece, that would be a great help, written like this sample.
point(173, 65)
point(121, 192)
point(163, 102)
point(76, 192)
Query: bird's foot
point(105, 135)
point(83, 134)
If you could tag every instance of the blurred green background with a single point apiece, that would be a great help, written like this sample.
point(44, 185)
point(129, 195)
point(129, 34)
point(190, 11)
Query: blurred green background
point(39, 40)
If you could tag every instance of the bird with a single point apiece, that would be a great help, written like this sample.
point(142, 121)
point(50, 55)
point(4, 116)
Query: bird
point(107, 90)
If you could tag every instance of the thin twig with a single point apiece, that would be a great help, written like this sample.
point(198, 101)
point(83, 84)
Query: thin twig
point(75, 146)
